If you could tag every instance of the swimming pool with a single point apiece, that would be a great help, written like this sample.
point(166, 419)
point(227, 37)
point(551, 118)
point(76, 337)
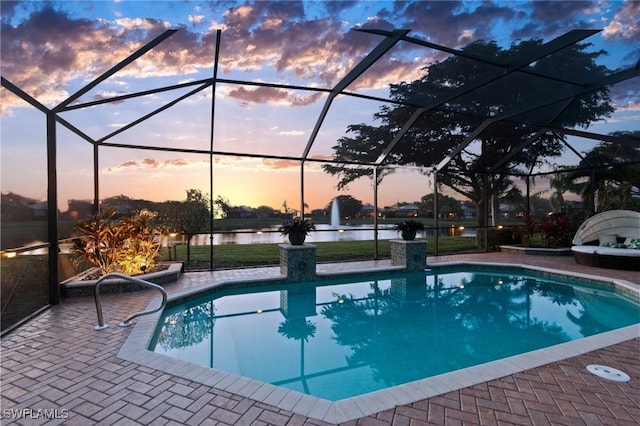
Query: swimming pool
point(339, 338)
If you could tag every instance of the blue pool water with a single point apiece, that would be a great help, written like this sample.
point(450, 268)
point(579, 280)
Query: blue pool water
point(337, 339)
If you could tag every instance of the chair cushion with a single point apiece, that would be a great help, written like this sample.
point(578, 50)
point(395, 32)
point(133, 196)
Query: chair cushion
point(607, 239)
point(585, 249)
point(618, 252)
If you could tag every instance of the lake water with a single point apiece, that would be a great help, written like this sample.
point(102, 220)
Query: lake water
point(323, 233)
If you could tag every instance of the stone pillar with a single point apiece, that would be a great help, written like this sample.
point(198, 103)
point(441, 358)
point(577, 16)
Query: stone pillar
point(298, 301)
point(411, 289)
point(410, 254)
point(298, 263)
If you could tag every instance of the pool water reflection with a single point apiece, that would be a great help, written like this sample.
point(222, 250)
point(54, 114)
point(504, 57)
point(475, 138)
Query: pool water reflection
point(335, 339)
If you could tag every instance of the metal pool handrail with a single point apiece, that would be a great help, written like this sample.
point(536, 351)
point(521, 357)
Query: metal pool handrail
point(127, 322)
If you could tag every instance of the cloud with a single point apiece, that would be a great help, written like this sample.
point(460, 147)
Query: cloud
point(629, 105)
point(260, 95)
point(43, 53)
point(51, 53)
point(625, 25)
point(306, 50)
point(40, 54)
point(179, 162)
point(626, 95)
point(138, 24)
point(321, 157)
point(292, 133)
point(271, 95)
point(280, 164)
point(552, 18)
point(448, 22)
point(239, 163)
point(50, 48)
point(196, 19)
point(127, 164)
point(149, 163)
point(335, 7)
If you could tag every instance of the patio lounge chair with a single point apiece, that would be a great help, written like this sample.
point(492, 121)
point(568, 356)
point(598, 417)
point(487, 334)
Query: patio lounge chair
point(609, 240)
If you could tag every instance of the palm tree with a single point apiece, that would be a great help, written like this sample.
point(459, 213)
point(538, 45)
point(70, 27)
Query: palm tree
point(299, 328)
point(609, 170)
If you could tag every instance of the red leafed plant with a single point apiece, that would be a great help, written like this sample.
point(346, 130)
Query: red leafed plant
point(129, 245)
point(527, 230)
point(557, 229)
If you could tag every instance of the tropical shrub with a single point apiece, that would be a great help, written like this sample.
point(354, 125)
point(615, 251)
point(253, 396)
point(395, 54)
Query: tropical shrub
point(557, 229)
point(526, 232)
point(129, 245)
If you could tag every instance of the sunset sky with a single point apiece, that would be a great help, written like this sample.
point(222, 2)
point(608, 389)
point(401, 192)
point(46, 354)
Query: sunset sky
point(52, 49)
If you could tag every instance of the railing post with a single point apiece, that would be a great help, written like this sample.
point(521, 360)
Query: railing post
point(127, 321)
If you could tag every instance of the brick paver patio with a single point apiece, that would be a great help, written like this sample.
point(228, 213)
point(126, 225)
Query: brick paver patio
point(56, 365)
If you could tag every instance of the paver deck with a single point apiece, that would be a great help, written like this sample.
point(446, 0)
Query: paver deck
point(56, 365)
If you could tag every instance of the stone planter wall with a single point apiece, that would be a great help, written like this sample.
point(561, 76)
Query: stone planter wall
point(77, 287)
point(298, 263)
point(410, 254)
point(539, 251)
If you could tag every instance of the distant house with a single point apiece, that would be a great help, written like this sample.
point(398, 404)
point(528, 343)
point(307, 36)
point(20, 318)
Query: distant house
point(319, 213)
point(80, 209)
point(241, 212)
point(367, 211)
point(39, 209)
point(510, 210)
point(409, 210)
point(469, 212)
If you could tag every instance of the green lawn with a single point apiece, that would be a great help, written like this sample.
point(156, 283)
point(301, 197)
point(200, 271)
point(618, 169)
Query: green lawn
point(238, 255)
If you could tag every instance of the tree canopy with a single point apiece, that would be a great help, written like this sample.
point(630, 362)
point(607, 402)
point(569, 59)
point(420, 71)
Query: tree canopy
point(610, 171)
point(189, 217)
point(502, 116)
point(348, 206)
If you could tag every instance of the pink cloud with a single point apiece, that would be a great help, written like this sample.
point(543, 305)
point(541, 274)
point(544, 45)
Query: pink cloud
point(259, 95)
point(264, 95)
point(50, 48)
point(626, 23)
point(150, 162)
point(280, 164)
point(178, 162)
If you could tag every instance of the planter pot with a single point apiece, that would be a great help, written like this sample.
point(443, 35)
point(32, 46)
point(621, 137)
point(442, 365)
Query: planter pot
point(409, 235)
point(297, 238)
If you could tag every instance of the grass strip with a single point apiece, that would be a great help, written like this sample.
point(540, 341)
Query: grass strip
point(239, 255)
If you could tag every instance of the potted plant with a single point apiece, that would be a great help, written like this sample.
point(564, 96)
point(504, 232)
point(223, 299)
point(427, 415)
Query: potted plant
point(409, 228)
point(297, 230)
